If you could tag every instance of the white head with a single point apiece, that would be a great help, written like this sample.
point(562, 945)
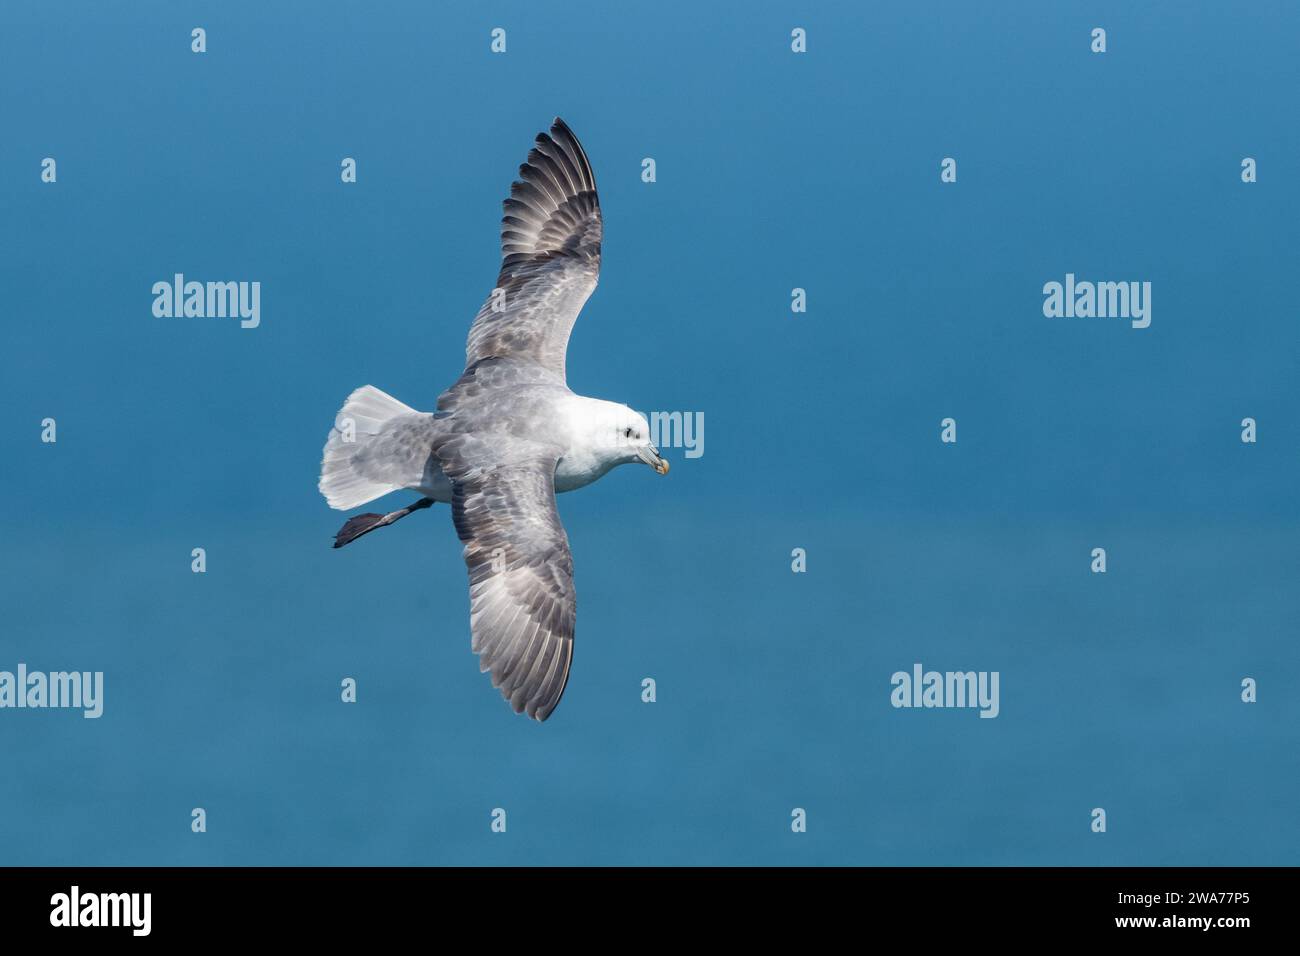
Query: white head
point(623, 436)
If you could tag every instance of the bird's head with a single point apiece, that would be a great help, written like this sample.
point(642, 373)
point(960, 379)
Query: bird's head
point(630, 434)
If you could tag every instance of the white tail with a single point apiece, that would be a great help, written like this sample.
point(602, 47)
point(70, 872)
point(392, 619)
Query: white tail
point(360, 463)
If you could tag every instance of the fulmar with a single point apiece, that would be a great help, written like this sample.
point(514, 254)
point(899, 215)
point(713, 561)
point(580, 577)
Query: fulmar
point(508, 435)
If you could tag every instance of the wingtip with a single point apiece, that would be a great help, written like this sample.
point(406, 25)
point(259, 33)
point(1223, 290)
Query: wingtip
point(561, 128)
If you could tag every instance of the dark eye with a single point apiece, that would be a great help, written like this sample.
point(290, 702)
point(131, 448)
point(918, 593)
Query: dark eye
point(627, 433)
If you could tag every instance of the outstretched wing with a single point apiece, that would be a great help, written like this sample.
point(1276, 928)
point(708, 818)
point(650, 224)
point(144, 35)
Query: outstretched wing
point(522, 604)
point(550, 249)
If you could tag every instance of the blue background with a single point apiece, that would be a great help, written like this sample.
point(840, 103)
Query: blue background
point(775, 170)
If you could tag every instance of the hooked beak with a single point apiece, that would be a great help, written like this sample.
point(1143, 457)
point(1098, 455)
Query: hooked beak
point(650, 455)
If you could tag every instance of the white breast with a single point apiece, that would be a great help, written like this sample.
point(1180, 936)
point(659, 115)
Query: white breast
point(587, 458)
point(577, 470)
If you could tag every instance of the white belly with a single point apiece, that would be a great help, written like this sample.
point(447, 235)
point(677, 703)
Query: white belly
point(578, 470)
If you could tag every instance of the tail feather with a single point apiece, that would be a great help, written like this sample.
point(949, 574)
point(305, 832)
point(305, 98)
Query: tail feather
point(373, 448)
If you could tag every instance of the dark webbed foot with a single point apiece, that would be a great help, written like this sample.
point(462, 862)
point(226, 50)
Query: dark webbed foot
point(358, 525)
point(355, 527)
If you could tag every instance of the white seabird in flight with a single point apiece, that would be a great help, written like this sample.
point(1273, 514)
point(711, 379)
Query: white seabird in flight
point(508, 435)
